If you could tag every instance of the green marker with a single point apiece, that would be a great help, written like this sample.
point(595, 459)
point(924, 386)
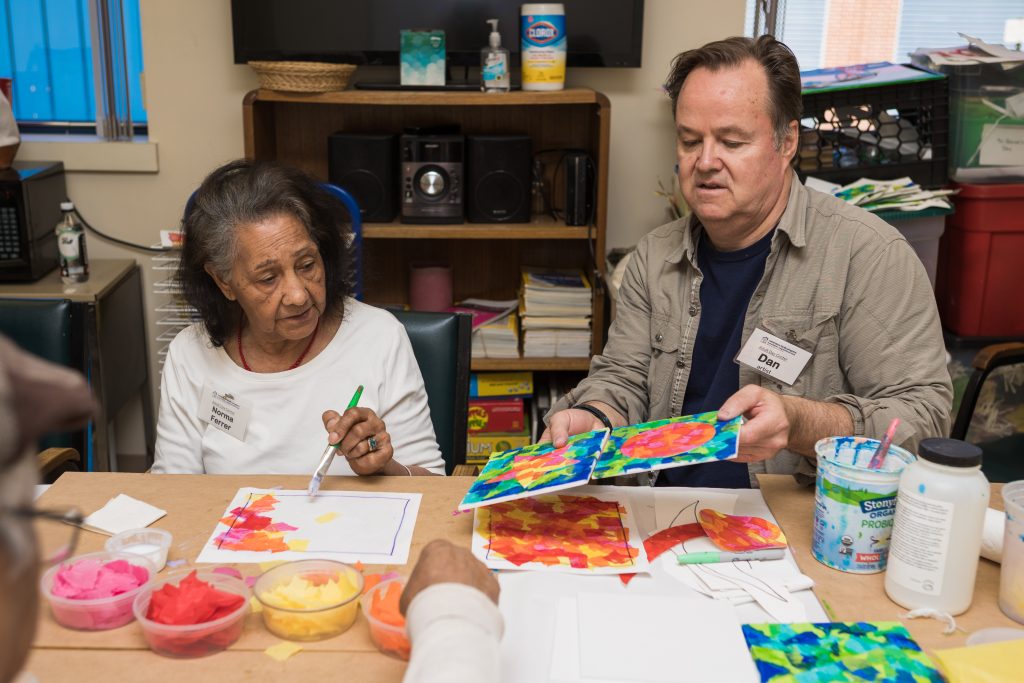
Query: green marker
point(715, 557)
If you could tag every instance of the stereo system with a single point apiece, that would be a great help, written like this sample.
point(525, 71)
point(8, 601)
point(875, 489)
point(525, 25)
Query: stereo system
point(431, 178)
point(498, 178)
point(428, 177)
point(366, 166)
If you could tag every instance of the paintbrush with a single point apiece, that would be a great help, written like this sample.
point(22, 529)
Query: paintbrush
point(879, 457)
point(332, 449)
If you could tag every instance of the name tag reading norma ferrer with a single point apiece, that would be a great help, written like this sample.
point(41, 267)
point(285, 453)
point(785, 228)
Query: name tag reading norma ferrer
point(773, 357)
point(225, 412)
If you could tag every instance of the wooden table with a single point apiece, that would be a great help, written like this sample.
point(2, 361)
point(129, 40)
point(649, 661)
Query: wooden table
point(861, 597)
point(193, 502)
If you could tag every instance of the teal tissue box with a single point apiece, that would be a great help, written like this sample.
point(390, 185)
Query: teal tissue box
point(423, 53)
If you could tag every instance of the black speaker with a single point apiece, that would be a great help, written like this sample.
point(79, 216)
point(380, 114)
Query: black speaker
point(498, 178)
point(367, 166)
point(579, 188)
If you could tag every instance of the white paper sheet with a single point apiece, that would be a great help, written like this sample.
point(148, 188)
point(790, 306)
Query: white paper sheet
point(482, 536)
point(529, 599)
point(375, 528)
point(565, 658)
point(669, 640)
point(122, 513)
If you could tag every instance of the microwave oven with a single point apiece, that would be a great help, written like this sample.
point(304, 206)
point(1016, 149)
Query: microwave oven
point(30, 197)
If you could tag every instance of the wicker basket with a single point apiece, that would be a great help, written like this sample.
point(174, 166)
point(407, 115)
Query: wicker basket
point(303, 76)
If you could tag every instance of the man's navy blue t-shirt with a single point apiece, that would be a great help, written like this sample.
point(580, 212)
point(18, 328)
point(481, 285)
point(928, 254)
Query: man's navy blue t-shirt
point(730, 278)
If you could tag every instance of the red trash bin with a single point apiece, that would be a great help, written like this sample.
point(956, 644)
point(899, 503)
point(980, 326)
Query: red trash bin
point(980, 289)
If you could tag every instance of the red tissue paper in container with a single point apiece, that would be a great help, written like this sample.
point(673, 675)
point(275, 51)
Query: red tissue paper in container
point(190, 616)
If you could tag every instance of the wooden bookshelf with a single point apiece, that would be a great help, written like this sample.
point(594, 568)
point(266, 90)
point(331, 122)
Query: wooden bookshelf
point(486, 258)
point(537, 229)
point(535, 364)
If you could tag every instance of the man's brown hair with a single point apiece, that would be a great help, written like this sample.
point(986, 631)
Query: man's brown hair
point(779, 64)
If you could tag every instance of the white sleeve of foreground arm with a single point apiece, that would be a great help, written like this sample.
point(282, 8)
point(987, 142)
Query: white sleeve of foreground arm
point(455, 630)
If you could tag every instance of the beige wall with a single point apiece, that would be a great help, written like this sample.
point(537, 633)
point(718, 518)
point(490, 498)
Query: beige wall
point(194, 99)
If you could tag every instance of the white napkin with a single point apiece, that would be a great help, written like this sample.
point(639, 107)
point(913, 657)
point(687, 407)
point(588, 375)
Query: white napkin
point(122, 513)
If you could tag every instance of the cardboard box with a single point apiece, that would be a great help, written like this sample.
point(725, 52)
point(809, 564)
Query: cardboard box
point(479, 447)
point(489, 384)
point(496, 415)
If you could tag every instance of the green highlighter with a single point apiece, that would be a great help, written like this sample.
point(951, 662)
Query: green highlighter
point(332, 449)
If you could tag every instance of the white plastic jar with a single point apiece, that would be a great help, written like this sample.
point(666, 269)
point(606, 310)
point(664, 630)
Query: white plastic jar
point(936, 535)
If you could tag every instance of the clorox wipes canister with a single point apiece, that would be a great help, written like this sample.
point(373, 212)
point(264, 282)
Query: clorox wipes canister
point(543, 45)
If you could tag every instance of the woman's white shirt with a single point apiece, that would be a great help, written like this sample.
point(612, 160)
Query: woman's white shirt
point(284, 433)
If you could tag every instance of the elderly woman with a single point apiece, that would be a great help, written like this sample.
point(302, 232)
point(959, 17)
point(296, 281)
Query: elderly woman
point(255, 386)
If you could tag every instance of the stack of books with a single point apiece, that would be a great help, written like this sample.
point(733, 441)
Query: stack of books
point(495, 327)
point(555, 309)
point(497, 414)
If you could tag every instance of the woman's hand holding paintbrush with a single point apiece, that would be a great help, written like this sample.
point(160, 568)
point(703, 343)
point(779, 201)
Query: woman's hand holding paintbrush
point(362, 437)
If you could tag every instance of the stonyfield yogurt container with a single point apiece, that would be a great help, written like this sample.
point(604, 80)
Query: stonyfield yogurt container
point(854, 505)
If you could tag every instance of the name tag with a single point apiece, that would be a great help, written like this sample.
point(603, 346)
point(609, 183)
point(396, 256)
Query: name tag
point(225, 412)
point(773, 357)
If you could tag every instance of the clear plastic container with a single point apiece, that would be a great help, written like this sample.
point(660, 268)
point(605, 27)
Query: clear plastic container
point(315, 621)
point(1011, 571)
point(193, 640)
point(152, 544)
point(97, 614)
point(389, 638)
point(936, 535)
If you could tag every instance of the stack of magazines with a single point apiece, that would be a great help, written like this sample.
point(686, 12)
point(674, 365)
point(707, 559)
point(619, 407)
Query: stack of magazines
point(495, 327)
point(555, 310)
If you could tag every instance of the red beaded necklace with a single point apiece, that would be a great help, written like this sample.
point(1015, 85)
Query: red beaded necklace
point(298, 361)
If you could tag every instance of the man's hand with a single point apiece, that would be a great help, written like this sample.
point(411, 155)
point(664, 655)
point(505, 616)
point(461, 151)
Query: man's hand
point(566, 423)
point(775, 422)
point(45, 397)
point(767, 426)
point(443, 562)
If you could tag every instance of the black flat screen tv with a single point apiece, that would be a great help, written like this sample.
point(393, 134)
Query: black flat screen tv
point(601, 33)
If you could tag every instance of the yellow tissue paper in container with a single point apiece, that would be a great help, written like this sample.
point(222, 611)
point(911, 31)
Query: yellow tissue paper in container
point(990, 663)
point(309, 599)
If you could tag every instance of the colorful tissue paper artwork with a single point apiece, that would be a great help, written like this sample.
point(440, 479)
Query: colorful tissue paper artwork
point(661, 541)
point(853, 651)
point(661, 444)
point(738, 533)
point(533, 469)
point(581, 534)
point(263, 525)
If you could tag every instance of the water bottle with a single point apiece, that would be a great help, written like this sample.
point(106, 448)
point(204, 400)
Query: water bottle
point(74, 261)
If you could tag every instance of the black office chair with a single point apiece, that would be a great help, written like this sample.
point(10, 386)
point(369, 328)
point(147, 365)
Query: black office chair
point(999, 429)
point(47, 328)
point(441, 343)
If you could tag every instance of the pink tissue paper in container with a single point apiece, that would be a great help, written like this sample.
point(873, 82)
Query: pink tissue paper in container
point(94, 592)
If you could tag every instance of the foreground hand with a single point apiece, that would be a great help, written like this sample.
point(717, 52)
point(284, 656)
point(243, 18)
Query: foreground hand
point(45, 397)
point(766, 430)
point(352, 432)
point(443, 562)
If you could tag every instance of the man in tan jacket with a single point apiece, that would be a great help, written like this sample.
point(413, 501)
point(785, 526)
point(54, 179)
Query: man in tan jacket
point(808, 316)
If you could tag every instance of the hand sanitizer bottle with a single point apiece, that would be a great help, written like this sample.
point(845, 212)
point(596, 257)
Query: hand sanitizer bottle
point(494, 63)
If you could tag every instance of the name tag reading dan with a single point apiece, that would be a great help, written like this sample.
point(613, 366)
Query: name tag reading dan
point(773, 357)
point(225, 412)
